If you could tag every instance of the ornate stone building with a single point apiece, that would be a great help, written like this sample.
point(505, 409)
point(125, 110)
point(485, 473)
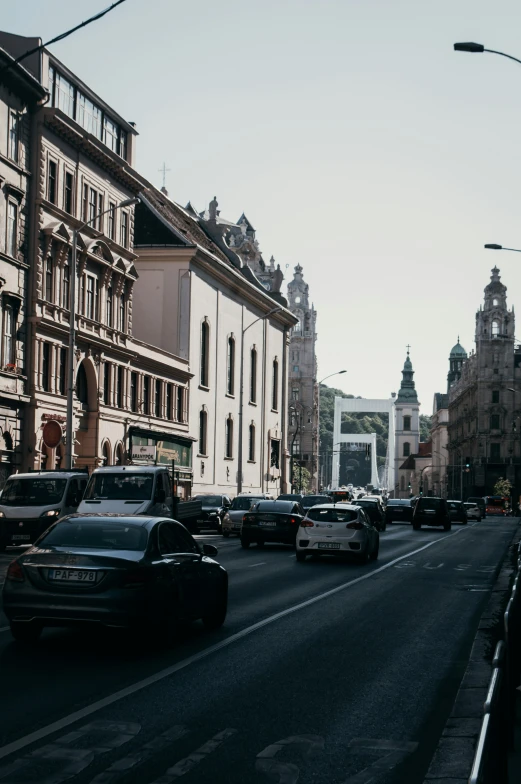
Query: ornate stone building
point(303, 387)
point(485, 403)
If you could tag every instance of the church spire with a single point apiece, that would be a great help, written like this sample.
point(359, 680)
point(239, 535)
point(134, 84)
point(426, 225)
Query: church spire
point(407, 393)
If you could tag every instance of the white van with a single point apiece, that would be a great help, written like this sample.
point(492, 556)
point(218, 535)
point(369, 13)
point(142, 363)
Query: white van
point(132, 490)
point(31, 502)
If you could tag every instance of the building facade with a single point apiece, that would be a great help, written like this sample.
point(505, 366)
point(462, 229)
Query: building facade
point(439, 439)
point(485, 403)
point(20, 96)
point(210, 309)
point(407, 430)
point(303, 435)
point(126, 392)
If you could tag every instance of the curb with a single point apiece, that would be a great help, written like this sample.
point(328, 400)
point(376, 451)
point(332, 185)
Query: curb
point(454, 755)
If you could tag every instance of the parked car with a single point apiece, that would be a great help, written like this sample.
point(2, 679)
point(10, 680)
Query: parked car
point(271, 521)
point(480, 502)
point(232, 523)
point(297, 497)
point(431, 511)
point(214, 511)
point(457, 512)
point(338, 530)
point(374, 508)
point(30, 503)
point(398, 509)
point(146, 573)
point(312, 500)
point(473, 511)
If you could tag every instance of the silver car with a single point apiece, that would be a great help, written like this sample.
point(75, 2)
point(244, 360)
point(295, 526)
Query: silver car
point(339, 530)
point(239, 506)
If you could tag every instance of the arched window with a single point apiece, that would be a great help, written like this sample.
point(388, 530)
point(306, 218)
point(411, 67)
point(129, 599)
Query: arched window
point(275, 386)
point(122, 308)
point(406, 449)
point(203, 430)
point(82, 386)
point(402, 483)
point(106, 453)
point(495, 328)
point(228, 437)
point(495, 303)
point(205, 350)
point(407, 423)
point(119, 455)
point(253, 375)
point(8, 442)
point(230, 367)
point(251, 443)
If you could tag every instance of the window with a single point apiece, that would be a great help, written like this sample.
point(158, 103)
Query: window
point(157, 398)
point(46, 357)
point(275, 387)
point(123, 230)
point(495, 451)
point(407, 423)
point(121, 380)
point(122, 310)
point(495, 396)
point(494, 422)
point(49, 280)
point(495, 303)
point(66, 282)
point(253, 376)
point(14, 130)
point(133, 392)
point(123, 143)
point(406, 449)
point(110, 134)
point(68, 192)
point(8, 342)
point(146, 394)
point(93, 206)
point(295, 446)
point(90, 302)
point(228, 437)
point(169, 401)
point(495, 328)
point(275, 453)
point(251, 443)
point(106, 384)
point(12, 228)
point(180, 404)
point(52, 176)
point(295, 393)
point(108, 313)
point(88, 115)
point(297, 328)
point(230, 378)
point(203, 423)
point(63, 371)
point(63, 94)
point(111, 221)
point(205, 346)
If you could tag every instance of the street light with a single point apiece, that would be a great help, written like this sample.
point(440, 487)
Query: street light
point(241, 395)
point(338, 373)
point(470, 46)
point(69, 427)
point(493, 246)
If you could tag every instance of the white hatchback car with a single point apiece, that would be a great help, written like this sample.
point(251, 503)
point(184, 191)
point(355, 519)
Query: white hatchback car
point(337, 529)
point(473, 511)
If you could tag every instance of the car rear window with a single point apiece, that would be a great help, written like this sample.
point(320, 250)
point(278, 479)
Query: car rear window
point(97, 536)
point(332, 515)
point(453, 505)
point(273, 506)
point(310, 500)
point(243, 504)
point(429, 503)
point(398, 502)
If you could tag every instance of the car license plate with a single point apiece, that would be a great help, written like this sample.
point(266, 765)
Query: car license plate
point(72, 575)
point(20, 536)
point(328, 546)
point(267, 522)
point(430, 511)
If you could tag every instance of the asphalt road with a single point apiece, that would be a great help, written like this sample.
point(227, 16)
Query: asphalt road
point(324, 673)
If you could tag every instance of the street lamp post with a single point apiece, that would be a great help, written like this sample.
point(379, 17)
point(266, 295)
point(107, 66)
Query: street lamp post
point(470, 46)
point(241, 396)
point(69, 426)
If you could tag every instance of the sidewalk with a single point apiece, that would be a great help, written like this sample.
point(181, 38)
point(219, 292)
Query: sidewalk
point(514, 758)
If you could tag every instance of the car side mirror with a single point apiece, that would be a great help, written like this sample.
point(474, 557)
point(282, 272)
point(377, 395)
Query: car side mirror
point(210, 549)
point(160, 495)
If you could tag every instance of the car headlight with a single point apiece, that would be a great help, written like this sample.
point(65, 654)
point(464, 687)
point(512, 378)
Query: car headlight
point(213, 514)
point(51, 513)
point(2, 514)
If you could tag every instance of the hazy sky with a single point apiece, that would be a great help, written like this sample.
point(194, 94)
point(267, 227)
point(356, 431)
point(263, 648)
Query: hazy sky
point(357, 142)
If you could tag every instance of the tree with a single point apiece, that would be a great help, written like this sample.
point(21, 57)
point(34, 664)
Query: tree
point(301, 479)
point(503, 487)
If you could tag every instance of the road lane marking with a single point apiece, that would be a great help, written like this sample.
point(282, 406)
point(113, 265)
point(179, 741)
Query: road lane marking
point(393, 753)
point(195, 758)
point(287, 773)
point(261, 563)
point(88, 710)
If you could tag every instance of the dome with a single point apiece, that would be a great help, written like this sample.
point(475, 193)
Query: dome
point(458, 351)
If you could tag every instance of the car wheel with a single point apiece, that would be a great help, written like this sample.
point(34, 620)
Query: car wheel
point(260, 544)
point(364, 557)
point(245, 543)
point(226, 534)
point(384, 526)
point(479, 519)
point(447, 526)
point(300, 556)
point(416, 526)
point(216, 617)
point(26, 632)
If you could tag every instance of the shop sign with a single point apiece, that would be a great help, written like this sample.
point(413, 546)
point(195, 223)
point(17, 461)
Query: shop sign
point(144, 452)
point(55, 417)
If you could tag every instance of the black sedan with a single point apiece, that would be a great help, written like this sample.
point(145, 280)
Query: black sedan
point(373, 507)
point(115, 571)
point(457, 512)
point(271, 521)
point(398, 510)
point(214, 511)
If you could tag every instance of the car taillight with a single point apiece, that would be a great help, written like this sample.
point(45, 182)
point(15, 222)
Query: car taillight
point(307, 524)
point(137, 577)
point(356, 525)
point(247, 518)
point(15, 572)
point(293, 520)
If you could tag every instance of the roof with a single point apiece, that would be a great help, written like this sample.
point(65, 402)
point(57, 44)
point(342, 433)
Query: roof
point(458, 351)
point(17, 73)
point(441, 400)
point(130, 469)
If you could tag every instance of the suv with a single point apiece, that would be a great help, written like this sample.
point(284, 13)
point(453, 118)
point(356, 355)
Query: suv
point(479, 502)
point(457, 512)
point(374, 509)
point(214, 511)
point(431, 511)
point(399, 509)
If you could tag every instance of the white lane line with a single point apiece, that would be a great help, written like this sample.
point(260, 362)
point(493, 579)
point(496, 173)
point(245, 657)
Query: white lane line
point(88, 710)
point(261, 563)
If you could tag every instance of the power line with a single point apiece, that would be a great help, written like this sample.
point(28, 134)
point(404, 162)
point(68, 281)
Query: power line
point(62, 35)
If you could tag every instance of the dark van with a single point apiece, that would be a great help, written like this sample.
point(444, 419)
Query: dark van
point(431, 511)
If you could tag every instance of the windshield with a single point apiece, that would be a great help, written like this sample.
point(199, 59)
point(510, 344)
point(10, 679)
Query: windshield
point(120, 487)
point(93, 535)
point(242, 504)
point(396, 502)
point(39, 491)
point(209, 500)
point(332, 515)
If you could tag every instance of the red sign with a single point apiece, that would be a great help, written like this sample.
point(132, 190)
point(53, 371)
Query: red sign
point(56, 417)
point(52, 434)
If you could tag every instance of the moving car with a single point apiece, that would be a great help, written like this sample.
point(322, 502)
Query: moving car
point(457, 512)
point(398, 509)
point(374, 509)
point(338, 530)
point(30, 503)
point(145, 573)
point(480, 502)
point(214, 511)
point(232, 523)
point(311, 500)
point(431, 511)
point(271, 521)
point(297, 497)
point(473, 511)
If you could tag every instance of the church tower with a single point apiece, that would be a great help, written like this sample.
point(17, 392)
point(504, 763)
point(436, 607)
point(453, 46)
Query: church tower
point(457, 357)
point(407, 418)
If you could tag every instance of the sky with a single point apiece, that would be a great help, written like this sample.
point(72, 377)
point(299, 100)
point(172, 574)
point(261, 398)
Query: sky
point(357, 142)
